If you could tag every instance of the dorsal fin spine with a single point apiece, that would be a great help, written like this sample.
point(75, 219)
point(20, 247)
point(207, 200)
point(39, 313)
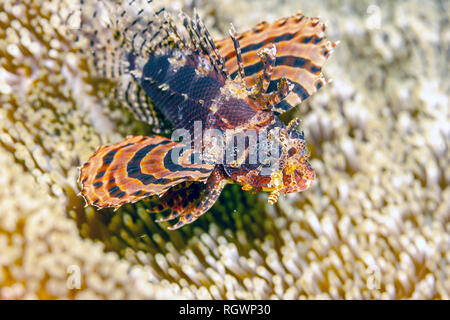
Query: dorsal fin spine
point(217, 60)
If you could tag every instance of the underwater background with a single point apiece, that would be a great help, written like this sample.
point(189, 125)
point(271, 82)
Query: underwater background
point(374, 225)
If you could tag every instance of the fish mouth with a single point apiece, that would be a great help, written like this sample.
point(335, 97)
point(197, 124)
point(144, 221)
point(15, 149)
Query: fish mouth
point(302, 181)
point(301, 186)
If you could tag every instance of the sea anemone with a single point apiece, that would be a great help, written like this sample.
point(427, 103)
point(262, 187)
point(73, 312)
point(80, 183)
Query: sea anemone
point(375, 225)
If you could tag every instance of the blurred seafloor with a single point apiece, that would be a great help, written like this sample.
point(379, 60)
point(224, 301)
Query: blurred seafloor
point(374, 225)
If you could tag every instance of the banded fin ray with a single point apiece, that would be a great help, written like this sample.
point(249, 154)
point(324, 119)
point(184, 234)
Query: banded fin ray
point(189, 200)
point(302, 49)
point(136, 168)
point(119, 40)
point(200, 40)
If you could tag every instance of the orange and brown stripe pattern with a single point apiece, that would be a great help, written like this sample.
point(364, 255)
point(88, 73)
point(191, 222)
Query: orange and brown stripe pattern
point(190, 77)
point(136, 168)
point(302, 50)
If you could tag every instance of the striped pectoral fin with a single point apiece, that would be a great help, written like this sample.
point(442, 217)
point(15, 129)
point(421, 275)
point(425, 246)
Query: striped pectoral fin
point(271, 101)
point(301, 51)
point(175, 200)
point(130, 94)
point(188, 203)
point(136, 168)
point(118, 39)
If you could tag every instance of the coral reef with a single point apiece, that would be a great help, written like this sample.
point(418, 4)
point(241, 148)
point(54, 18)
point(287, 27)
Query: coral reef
point(375, 225)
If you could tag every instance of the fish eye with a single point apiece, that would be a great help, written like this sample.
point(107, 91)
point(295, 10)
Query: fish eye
point(292, 151)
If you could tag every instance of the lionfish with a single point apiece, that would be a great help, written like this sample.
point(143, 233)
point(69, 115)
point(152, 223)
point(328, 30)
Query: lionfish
point(242, 82)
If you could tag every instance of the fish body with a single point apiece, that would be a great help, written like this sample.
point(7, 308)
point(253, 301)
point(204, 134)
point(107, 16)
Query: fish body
point(222, 97)
point(186, 88)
